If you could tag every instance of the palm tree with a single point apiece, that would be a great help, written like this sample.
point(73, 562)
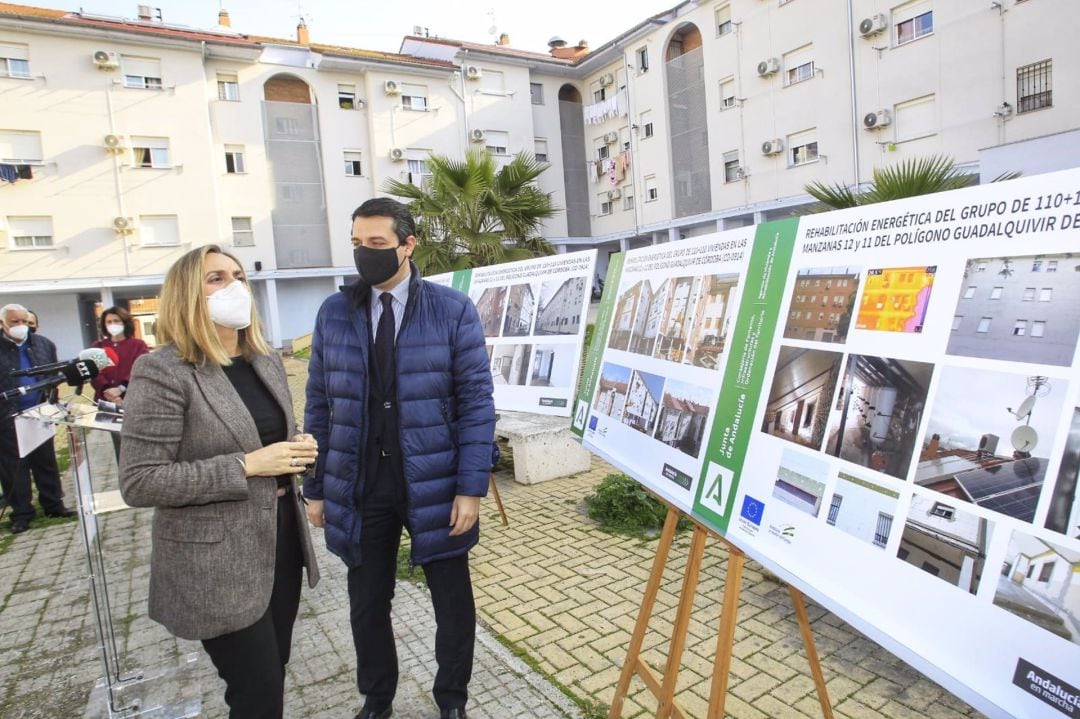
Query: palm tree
point(910, 178)
point(470, 213)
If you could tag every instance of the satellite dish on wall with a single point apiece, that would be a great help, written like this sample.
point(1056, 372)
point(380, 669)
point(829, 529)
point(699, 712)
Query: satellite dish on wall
point(1025, 407)
point(1025, 438)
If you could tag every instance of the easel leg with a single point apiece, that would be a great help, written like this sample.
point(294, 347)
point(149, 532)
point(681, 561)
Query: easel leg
point(498, 499)
point(726, 640)
point(682, 622)
point(811, 651)
point(647, 603)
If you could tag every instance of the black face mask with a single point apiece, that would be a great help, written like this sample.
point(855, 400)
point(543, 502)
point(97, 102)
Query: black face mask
point(376, 266)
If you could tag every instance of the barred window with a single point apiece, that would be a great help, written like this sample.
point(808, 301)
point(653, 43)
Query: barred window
point(1034, 89)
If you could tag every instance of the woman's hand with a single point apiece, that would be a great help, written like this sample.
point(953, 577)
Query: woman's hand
point(113, 394)
point(281, 457)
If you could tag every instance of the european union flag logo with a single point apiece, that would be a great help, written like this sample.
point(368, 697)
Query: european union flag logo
point(752, 509)
point(592, 422)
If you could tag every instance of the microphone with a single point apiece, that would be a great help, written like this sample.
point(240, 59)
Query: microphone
point(96, 355)
point(73, 373)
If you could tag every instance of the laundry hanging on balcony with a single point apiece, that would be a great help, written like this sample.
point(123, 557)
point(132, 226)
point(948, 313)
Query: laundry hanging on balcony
point(9, 173)
point(600, 112)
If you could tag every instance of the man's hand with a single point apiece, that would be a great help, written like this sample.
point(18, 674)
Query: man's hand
point(315, 513)
point(463, 515)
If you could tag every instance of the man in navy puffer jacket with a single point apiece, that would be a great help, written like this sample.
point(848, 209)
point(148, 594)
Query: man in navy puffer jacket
point(399, 398)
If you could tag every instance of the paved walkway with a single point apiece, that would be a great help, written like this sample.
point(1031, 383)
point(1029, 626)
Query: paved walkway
point(562, 594)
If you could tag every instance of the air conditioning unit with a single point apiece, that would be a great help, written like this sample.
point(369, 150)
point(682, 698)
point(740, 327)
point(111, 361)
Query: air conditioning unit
point(611, 137)
point(988, 444)
point(106, 60)
point(873, 25)
point(472, 72)
point(614, 194)
point(765, 68)
point(391, 87)
point(607, 80)
point(772, 147)
point(114, 143)
point(877, 120)
point(124, 224)
point(397, 154)
point(477, 135)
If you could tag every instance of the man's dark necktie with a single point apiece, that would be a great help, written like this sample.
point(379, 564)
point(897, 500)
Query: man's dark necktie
point(384, 341)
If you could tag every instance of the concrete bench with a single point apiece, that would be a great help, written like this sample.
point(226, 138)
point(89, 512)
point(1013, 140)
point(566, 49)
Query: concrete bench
point(543, 446)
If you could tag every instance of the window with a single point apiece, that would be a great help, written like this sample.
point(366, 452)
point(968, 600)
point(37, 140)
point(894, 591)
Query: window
point(799, 65)
point(984, 325)
point(1045, 572)
point(602, 151)
point(624, 138)
point(242, 234)
point(643, 59)
point(723, 20)
point(414, 97)
point(834, 508)
point(732, 171)
point(159, 231)
point(352, 163)
point(141, 72)
point(228, 87)
point(1046, 294)
point(599, 94)
point(30, 233)
point(995, 293)
point(493, 81)
point(651, 191)
point(913, 21)
point(930, 568)
point(150, 151)
point(727, 93)
point(1038, 329)
point(628, 198)
point(234, 159)
point(1051, 266)
point(14, 60)
point(605, 203)
point(802, 148)
point(19, 147)
point(540, 149)
point(536, 91)
point(497, 142)
point(646, 124)
point(346, 97)
point(969, 293)
point(918, 118)
point(884, 526)
point(1029, 294)
point(1036, 266)
point(956, 320)
point(942, 510)
point(1033, 87)
point(419, 174)
point(1020, 328)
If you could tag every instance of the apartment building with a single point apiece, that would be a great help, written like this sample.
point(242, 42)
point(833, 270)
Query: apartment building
point(131, 141)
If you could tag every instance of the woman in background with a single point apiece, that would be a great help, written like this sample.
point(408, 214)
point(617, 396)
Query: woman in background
point(207, 428)
point(118, 334)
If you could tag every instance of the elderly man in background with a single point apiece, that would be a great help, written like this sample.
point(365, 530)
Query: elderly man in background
point(21, 349)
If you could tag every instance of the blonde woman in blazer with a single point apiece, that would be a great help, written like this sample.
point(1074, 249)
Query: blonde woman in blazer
point(206, 442)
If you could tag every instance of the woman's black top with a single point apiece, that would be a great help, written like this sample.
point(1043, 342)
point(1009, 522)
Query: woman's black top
point(260, 403)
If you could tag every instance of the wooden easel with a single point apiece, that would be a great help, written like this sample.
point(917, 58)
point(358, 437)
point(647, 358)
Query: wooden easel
point(498, 499)
point(663, 688)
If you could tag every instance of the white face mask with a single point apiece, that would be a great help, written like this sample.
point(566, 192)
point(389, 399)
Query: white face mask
point(231, 306)
point(114, 330)
point(18, 332)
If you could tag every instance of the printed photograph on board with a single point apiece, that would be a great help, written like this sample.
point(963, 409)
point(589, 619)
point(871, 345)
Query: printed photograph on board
point(611, 390)
point(1040, 583)
point(683, 415)
point(560, 307)
point(988, 438)
point(642, 405)
point(1023, 309)
point(1064, 514)
point(943, 540)
point(800, 482)
point(710, 323)
point(896, 299)
point(627, 314)
point(863, 509)
point(510, 364)
point(822, 304)
point(801, 392)
point(553, 365)
point(489, 305)
point(875, 421)
point(520, 305)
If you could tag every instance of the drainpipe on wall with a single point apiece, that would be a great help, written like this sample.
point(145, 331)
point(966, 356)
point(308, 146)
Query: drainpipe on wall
point(118, 186)
point(368, 95)
point(464, 104)
point(854, 98)
point(632, 133)
point(744, 159)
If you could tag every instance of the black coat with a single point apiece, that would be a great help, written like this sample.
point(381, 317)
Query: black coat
point(42, 351)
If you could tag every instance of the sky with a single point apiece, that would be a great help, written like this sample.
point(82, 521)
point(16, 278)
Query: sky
point(380, 26)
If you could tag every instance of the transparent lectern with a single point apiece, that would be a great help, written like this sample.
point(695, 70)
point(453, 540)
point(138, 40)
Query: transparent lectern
point(155, 692)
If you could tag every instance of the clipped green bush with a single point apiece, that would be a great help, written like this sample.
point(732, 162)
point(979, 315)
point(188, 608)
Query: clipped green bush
point(622, 505)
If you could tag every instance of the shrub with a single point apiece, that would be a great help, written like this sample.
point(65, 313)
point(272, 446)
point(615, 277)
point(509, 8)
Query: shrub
point(622, 505)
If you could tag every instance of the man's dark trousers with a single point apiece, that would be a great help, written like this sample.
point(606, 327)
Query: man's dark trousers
point(371, 589)
point(16, 473)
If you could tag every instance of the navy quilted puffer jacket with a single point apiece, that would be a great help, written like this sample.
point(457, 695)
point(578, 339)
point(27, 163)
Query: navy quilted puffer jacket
point(446, 411)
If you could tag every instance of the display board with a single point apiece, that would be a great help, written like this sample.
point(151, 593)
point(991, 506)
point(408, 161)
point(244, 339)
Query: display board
point(897, 429)
point(534, 317)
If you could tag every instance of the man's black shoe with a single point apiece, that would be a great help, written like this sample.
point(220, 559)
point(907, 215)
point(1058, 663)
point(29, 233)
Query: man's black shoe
point(18, 527)
point(366, 713)
point(456, 713)
point(65, 512)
